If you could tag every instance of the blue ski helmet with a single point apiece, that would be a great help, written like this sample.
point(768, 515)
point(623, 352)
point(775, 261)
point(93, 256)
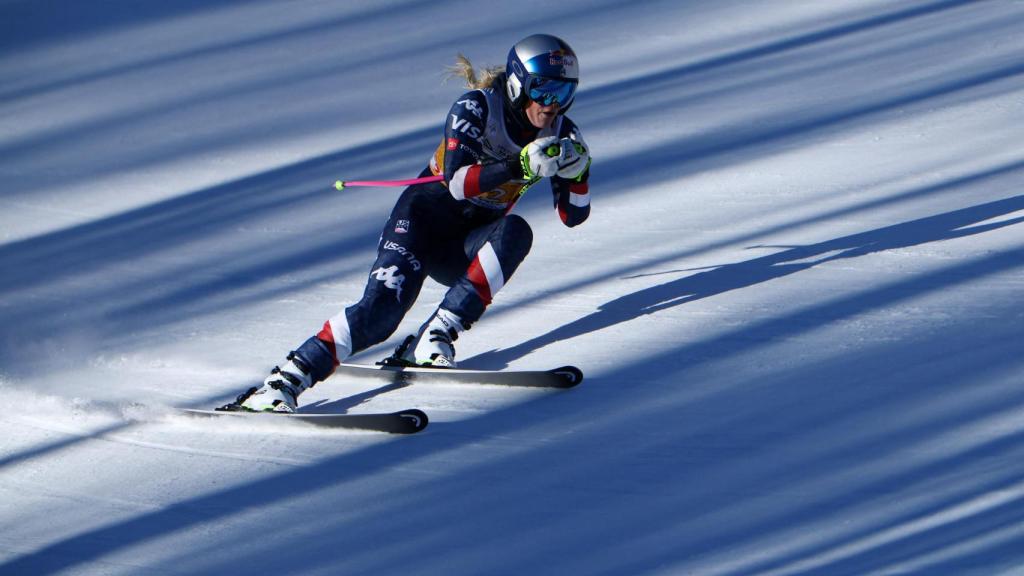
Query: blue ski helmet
point(542, 68)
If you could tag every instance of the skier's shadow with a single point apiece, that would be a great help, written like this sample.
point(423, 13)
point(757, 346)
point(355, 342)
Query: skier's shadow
point(947, 226)
point(343, 405)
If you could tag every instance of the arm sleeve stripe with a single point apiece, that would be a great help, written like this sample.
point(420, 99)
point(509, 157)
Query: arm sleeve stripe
point(465, 183)
point(579, 200)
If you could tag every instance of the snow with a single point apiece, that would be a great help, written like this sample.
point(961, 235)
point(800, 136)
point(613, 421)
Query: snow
point(797, 301)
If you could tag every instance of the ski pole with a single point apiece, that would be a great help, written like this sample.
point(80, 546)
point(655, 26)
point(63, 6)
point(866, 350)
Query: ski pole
point(340, 185)
point(552, 151)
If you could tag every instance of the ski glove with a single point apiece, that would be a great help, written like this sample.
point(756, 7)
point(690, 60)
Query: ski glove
point(540, 158)
point(575, 157)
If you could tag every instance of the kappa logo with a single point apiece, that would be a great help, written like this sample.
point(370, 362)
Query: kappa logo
point(391, 279)
point(473, 106)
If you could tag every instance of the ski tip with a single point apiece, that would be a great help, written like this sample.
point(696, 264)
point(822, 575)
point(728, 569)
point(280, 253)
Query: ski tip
point(570, 375)
point(415, 420)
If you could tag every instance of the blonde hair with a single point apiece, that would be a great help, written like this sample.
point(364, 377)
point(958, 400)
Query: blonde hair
point(475, 79)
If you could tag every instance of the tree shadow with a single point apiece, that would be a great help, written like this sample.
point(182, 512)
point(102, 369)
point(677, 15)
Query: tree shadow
point(75, 16)
point(668, 79)
point(653, 487)
point(729, 277)
point(42, 22)
point(503, 499)
point(162, 263)
point(728, 143)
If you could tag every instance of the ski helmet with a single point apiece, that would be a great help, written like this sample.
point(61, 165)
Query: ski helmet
point(542, 68)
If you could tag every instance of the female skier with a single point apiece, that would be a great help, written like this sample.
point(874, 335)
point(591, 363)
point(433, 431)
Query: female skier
point(499, 139)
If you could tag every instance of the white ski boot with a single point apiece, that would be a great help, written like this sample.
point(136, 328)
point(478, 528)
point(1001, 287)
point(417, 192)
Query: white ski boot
point(434, 346)
point(281, 390)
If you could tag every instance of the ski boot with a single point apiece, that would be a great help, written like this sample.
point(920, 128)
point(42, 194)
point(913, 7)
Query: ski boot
point(432, 346)
point(281, 390)
point(435, 347)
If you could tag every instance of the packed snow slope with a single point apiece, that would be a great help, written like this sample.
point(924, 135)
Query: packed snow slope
point(797, 301)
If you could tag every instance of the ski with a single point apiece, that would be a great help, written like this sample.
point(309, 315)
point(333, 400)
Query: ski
point(564, 377)
point(403, 422)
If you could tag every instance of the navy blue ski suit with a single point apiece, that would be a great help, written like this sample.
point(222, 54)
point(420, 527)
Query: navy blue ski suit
point(459, 231)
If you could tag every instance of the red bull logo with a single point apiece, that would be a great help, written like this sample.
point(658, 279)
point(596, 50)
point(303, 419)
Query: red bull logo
point(561, 58)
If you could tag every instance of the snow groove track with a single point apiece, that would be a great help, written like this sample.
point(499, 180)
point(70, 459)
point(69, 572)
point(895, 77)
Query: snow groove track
point(110, 435)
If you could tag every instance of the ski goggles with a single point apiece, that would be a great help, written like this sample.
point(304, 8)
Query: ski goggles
point(547, 91)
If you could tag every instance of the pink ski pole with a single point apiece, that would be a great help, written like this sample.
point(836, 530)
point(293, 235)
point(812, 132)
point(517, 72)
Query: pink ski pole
point(340, 185)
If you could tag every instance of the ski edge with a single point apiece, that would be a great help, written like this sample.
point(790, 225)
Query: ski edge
point(563, 377)
point(407, 421)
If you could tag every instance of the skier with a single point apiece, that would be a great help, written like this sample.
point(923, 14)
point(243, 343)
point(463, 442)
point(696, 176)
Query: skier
point(499, 139)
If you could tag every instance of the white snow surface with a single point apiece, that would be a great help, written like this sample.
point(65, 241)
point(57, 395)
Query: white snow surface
point(797, 301)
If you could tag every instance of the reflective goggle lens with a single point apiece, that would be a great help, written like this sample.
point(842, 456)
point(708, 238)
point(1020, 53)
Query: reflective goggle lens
point(546, 92)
